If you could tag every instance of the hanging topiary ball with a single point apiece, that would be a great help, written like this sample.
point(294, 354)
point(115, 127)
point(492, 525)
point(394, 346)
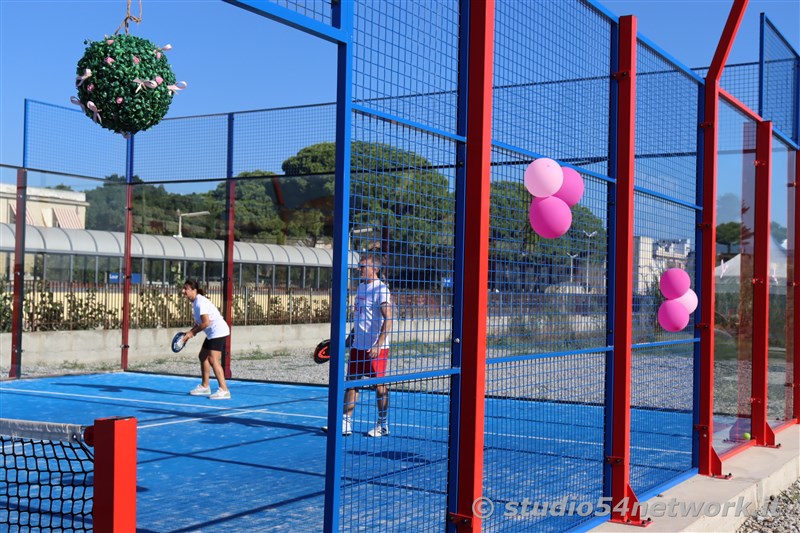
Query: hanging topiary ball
point(125, 83)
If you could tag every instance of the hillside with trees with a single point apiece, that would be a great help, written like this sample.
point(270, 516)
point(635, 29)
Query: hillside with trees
point(399, 204)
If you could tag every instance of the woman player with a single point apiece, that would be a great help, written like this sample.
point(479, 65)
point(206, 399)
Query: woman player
point(208, 318)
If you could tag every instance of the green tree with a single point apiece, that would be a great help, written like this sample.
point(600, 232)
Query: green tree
point(256, 218)
point(394, 193)
point(778, 231)
point(729, 233)
point(106, 210)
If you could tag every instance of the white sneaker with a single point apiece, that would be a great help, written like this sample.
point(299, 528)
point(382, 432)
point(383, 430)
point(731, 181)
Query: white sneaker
point(220, 395)
point(200, 391)
point(347, 428)
point(380, 430)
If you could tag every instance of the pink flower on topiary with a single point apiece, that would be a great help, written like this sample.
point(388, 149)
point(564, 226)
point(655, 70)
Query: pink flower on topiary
point(158, 54)
point(109, 60)
point(136, 60)
point(159, 80)
point(110, 41)
point(90, 87)
point(119, 99)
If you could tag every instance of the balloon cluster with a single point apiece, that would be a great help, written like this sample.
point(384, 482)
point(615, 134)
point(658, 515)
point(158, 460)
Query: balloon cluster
point(681, 301)
point(555, 189)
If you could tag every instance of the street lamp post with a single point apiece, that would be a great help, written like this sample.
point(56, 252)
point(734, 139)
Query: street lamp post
point(588, 253)
point(571, 259)
point(187, 215)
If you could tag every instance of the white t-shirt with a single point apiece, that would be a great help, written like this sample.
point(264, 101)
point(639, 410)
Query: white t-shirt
point(367, 316)
point(218, 327)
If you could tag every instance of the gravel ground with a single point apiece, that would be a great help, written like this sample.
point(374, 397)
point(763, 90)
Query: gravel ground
point(781, 516)
point(294, 366)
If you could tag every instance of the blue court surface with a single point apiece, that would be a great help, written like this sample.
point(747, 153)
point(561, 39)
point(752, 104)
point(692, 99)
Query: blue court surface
point(257, 462)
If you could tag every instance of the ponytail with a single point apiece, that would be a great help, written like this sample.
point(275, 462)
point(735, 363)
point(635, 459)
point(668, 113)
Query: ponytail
point(195, 286)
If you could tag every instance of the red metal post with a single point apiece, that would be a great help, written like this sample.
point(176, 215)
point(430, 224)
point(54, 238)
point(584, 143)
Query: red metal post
point(126, 279)
point(793, 380)
point(19, 274)
point(622, 495)
point(114, 441)
point(709, 463)
point(761, 431)
point(478, 179)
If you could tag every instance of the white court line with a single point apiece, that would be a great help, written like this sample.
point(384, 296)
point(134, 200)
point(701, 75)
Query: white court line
point(232, 411)
point(265, 411)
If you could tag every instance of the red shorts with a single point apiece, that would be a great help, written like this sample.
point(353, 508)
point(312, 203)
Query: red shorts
point(362, 365)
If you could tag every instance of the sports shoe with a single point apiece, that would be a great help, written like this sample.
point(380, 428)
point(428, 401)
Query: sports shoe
point(347, 428)
point(380, 430)
point(220, 395)
point(200, 391)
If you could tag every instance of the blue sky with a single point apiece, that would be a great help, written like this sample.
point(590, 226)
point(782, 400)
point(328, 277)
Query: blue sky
point(234, 60)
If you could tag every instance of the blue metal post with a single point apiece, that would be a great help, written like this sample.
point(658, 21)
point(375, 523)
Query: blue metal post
point(342, 19)
point(458, 263)
point(612, 254)
point(699, 264)
point(230, 210)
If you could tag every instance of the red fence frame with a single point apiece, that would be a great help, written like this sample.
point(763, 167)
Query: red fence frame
point(709, 462)
point(620, 458)
point(794, 285)
point(476, 275)
point(114, 442)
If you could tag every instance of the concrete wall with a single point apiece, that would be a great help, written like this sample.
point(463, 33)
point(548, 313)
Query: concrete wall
point(95, 346)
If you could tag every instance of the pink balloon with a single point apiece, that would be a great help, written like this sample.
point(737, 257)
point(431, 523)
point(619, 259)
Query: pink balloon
point(550, 217)
point(688, 300)
point(674, 283)
point(673, 316)
point(571, 190)
point(543, 177)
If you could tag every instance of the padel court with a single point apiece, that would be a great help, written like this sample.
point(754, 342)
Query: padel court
point(257, 462)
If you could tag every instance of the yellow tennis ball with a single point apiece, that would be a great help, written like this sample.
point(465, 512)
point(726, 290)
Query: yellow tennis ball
point(746, 436)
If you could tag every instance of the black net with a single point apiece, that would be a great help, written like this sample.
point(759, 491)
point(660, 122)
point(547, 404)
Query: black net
point(46, 483)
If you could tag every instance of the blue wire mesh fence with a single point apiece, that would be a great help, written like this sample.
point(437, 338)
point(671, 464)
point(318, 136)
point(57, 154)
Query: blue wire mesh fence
point(547, 99)
point(657, 248)
point(547, 317)
point(666, 127)
point(61, 139)
point(740, 80)
point(319, 10)
point(402, 207)
point(529, 451)
point(665, 167)
point(394, 74)
point(661, 414)
point(781, 77)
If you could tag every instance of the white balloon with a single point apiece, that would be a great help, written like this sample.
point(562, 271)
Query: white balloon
point(688, 300)
point(543, 177)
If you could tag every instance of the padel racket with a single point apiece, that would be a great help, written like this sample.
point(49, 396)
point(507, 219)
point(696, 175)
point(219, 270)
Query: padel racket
point(177, 342)
point(322, 354)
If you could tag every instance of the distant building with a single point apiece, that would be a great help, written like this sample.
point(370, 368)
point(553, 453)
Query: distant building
point(49, 208)
point(652, 257)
